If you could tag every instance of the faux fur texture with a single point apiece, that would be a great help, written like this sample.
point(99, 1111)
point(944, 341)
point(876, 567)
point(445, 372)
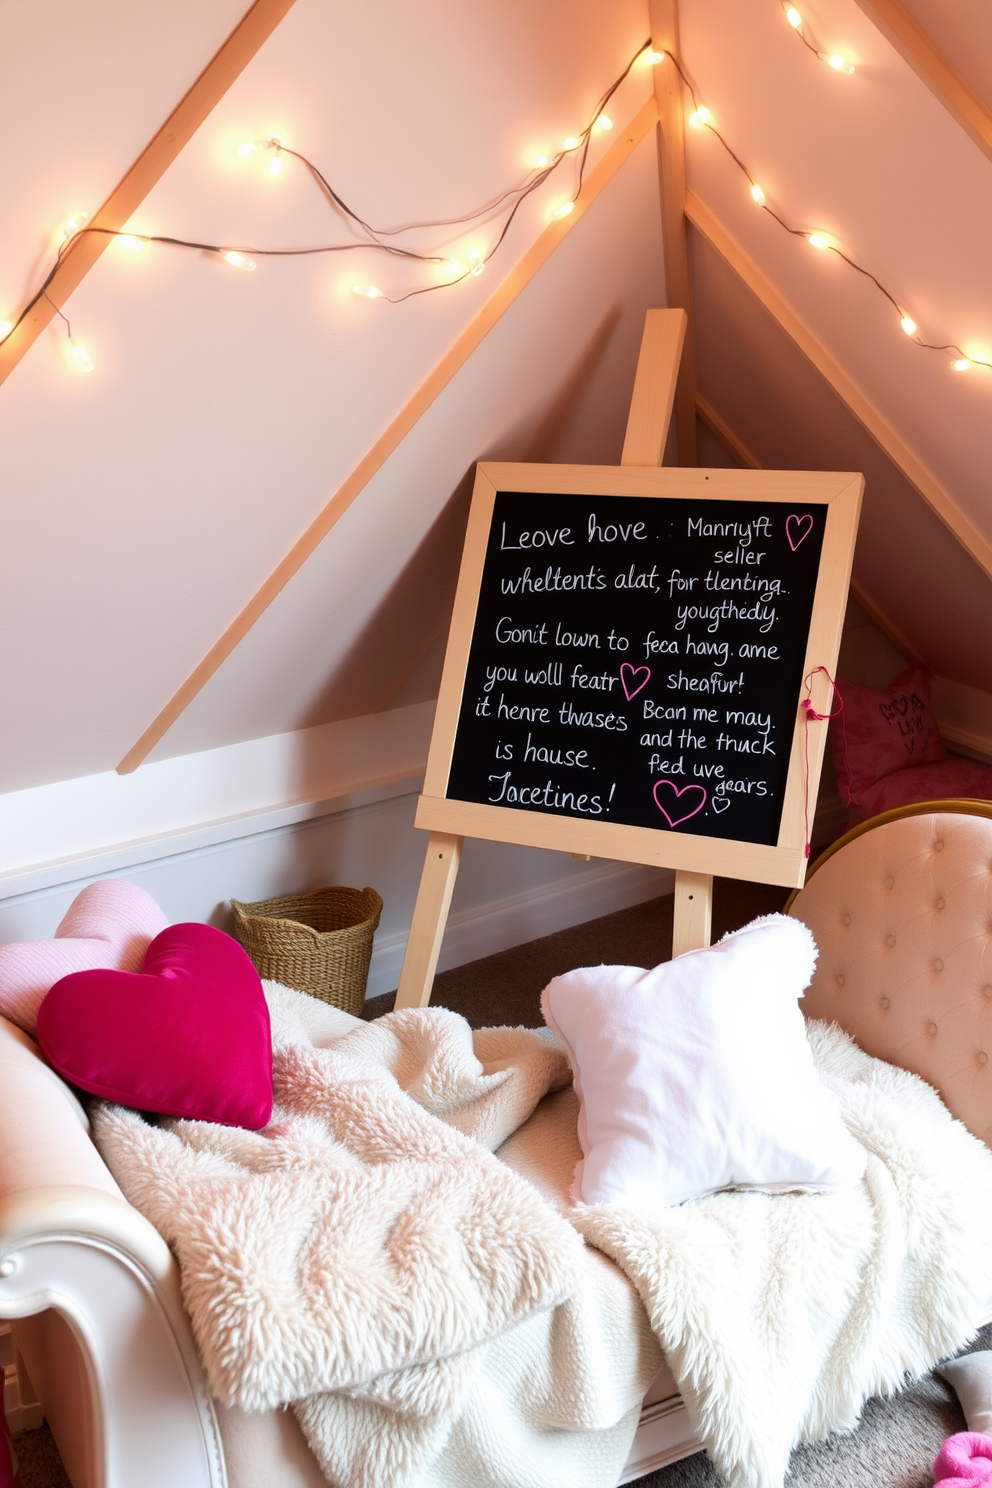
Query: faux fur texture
point(779, 1314)
point(358, 1239)
point(331, 1259)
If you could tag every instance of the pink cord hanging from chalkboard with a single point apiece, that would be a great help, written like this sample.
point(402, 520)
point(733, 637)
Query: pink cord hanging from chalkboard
point(811, 715)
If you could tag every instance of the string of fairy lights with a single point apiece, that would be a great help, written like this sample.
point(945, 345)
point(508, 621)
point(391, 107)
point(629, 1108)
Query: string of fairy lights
point(458, 260)
point(496, 216)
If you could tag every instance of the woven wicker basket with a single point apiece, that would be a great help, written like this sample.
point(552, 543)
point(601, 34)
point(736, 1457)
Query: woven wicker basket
point(320, 943)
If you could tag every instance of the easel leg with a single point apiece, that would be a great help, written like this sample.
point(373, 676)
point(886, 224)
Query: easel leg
point(430, 915)
point(693, 911)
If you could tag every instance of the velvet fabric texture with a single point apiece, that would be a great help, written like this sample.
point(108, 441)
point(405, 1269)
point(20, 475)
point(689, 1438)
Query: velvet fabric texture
point(954, 778)
point(110, 924)
point(880, 732)
point(187, 1036)
point(964, 1461)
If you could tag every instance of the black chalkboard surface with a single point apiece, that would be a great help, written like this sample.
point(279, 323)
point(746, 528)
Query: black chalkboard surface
point(639, 662)
point(626, 662)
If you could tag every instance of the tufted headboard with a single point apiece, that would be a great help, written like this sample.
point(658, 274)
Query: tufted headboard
point(901, 909)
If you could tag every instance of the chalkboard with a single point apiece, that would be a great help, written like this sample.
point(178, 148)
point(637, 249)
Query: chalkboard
point(630, 656)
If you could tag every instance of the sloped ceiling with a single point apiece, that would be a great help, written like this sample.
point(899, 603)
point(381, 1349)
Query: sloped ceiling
point(143, 505)
point(874, 160)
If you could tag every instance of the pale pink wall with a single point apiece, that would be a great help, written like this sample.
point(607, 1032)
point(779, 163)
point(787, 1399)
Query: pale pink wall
point(143, 504)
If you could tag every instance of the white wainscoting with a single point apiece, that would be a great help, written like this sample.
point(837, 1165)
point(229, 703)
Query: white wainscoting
point(275, 816)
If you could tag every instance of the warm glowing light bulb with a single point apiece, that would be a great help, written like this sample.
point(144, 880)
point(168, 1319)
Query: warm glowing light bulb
point(275, 164)
point(837, 62)
point(962, 364)
point(563, 210)
point(73, 226)
point(541, 161)
point(793, 17)
point(757, 193)
point(131, 244)
point(6, 326)
point(908, 324)
point(604, 122)
point(239, 261)
point(80, 356)
point(700, 117)
point(653, 58)
point(244, 150)
point(368, 290)
point(817, 240)
point(570, 144)
point(477, 267)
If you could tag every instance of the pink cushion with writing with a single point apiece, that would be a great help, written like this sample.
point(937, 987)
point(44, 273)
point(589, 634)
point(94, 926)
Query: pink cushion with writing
point(110, 923)
point(188, 1035)
point(955, 777)
point(879, 732)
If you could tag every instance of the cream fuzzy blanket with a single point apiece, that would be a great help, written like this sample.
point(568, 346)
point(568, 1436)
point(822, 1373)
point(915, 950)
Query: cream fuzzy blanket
point(360, 1256)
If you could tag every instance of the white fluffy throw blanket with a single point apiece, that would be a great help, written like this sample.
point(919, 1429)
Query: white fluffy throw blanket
point(779, 1314)
point(355, 1257)
point(331, 1259)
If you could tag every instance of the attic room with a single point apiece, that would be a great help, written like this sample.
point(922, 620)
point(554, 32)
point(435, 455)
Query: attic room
point(642, 1124)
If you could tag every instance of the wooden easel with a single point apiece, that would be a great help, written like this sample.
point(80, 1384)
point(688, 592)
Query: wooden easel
point(647, 432)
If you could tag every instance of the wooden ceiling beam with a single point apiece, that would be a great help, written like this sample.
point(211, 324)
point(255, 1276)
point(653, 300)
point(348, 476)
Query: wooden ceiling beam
point(736, 447)
point(433, 385)
point(192, 110)
point(930, 65)
point(671, 165)
point(937, 497)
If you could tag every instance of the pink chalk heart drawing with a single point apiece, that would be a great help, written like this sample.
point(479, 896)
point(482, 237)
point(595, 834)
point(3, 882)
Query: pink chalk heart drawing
point(188, 1035)
point(678, 810)
point(797, 529)
point(110, 923)
point(633, 678)
point(720, 803)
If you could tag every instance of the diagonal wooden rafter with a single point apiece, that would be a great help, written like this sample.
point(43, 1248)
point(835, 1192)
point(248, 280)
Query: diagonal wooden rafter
point(930, 65)
point(937, 497)
point(671, 167)
point(474, 334)
point(742, 454)
point(255, 27)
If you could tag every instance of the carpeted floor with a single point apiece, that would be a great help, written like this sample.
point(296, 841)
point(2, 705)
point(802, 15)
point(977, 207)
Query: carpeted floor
point(897, 1439)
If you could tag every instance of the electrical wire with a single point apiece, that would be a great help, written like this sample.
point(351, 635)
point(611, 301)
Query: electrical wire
point(703, 120)
point(510, 200)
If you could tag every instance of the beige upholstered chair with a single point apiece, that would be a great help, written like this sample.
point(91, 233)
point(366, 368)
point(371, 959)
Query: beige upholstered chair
point(901, 908)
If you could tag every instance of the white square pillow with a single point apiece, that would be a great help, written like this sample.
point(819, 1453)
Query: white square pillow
point(698, 1075)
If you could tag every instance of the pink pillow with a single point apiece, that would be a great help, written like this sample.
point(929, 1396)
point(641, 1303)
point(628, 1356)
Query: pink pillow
point(110, 923)
point(187, 1036)
point(964, 1461)
point(955, 777)
point(879, 732)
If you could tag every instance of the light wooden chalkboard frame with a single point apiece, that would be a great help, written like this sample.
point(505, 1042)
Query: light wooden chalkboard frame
point(450, 821)
point(785, 863)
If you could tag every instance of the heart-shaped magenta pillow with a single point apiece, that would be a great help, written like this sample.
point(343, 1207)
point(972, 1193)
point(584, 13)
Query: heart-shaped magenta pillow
point(188, 1035)
point(109, 923)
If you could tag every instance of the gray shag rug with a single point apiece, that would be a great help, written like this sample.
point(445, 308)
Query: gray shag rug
point(897, 1439)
